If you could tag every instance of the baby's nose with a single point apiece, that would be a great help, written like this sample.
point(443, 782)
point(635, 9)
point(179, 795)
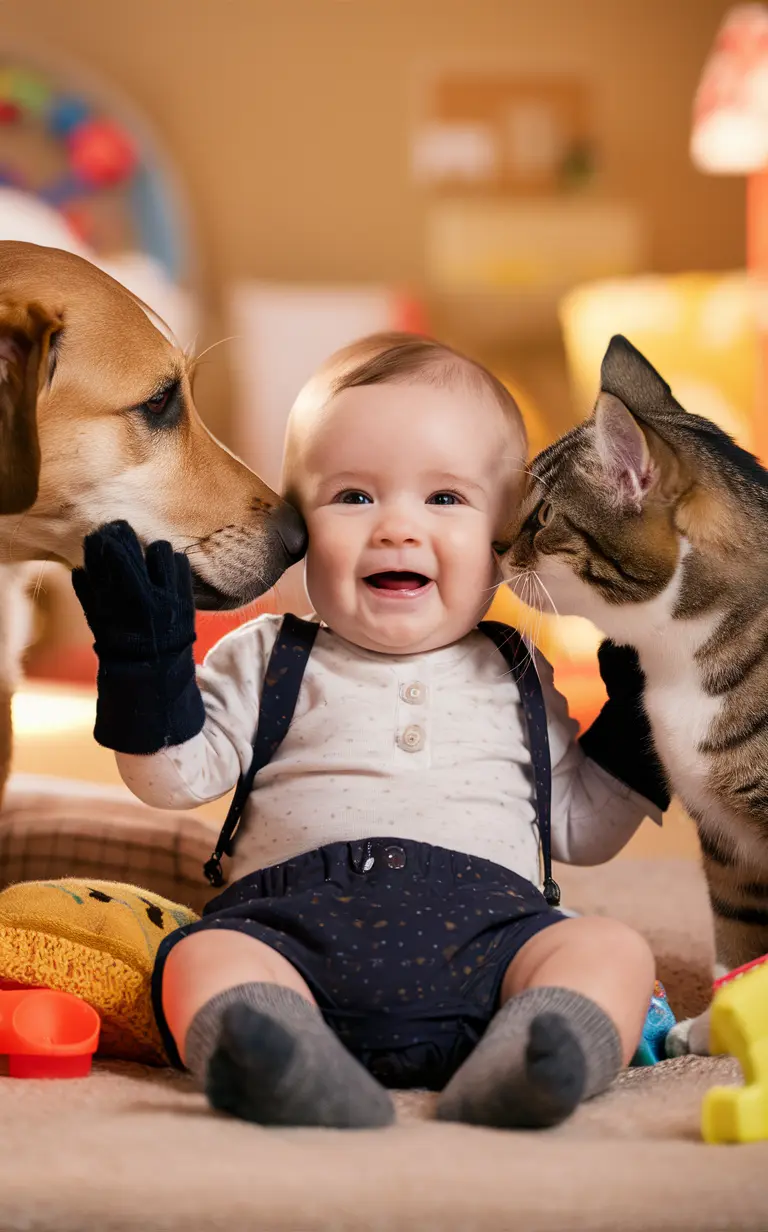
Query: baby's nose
point(397, 537)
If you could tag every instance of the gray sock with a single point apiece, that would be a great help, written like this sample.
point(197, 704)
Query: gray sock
point(263, 1053)
point(546, 1050)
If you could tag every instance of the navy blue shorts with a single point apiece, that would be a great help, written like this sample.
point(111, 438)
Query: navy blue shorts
point(404, 946)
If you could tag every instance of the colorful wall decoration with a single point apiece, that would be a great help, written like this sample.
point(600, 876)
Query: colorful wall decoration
point(72, 148)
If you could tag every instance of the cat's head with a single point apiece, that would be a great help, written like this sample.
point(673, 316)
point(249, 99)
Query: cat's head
point(615, 506)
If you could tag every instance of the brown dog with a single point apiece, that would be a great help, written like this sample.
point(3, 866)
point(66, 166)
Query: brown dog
point(97, 423)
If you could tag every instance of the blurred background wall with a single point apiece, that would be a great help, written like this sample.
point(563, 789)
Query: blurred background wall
point(288, 122)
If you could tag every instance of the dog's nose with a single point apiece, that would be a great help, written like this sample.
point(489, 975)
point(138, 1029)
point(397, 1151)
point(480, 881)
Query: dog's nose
point(289, 525)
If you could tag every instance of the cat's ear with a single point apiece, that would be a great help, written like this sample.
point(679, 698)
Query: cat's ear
point(627, 375)
point(623, 452)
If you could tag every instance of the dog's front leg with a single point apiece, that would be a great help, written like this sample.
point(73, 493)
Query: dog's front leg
point(16, 622)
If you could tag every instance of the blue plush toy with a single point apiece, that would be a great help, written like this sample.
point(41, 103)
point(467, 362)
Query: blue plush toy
point(657, 1024)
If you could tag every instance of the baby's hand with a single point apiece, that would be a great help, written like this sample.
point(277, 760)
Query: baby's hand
point(620, 739)
point(138, 607)
point(142, 614)
point(620, 670)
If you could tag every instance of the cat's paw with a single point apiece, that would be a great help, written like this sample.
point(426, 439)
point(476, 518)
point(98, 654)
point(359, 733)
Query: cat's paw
point(676, 1042)
point(689, 1036)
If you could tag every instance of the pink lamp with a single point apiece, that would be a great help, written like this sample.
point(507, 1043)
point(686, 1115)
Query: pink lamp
point(730, 137)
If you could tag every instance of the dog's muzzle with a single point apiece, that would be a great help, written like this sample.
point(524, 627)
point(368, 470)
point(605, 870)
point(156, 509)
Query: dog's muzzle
point(284, 543)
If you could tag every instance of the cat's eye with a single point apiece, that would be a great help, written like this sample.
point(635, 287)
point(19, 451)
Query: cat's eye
point(544, 513)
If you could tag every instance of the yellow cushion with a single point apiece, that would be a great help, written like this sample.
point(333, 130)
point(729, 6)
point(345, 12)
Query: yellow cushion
point(97, 939)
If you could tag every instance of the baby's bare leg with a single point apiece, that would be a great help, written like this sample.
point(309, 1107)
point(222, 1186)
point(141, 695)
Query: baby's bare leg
point(573, 1004)
point(247, 1027)
point(598, 958)
point(208, 964)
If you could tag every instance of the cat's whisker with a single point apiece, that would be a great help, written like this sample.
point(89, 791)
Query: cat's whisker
point(549, 598)
point(491, 590)
point(522, 585)
point(537, 614)
point(518, 580)
point(526, 470)
point(530, 614)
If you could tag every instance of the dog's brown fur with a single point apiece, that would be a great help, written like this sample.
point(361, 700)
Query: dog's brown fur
point(82, 444)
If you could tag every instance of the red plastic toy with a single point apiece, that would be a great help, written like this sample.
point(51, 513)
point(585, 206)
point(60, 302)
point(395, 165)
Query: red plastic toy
point(47, 1034)
point(738, 971)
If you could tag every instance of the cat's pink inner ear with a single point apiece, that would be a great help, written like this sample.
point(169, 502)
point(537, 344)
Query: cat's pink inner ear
point(623, 450)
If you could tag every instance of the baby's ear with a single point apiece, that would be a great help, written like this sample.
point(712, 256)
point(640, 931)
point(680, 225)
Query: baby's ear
point(623, 452)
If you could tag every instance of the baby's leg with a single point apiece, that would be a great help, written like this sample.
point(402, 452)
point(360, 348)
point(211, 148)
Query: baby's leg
point(573, 1005)
point(247, 1027)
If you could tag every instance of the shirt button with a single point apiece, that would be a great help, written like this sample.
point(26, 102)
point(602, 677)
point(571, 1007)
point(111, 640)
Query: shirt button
point(413, 693)
point(411, 738)
point(394, 857)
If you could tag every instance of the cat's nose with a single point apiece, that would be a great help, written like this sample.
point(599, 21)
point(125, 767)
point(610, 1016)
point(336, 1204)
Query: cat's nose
point(501, 546)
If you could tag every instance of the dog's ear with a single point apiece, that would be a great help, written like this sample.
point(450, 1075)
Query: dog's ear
point(26, 331)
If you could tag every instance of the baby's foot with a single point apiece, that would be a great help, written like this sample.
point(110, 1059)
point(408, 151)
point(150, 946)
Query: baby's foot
point(265, 1070)
point(545, 1051)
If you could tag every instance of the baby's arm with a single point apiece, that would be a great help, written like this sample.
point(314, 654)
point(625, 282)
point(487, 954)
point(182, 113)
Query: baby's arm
point(181, 739)
point(207, 766)
point(606, 783)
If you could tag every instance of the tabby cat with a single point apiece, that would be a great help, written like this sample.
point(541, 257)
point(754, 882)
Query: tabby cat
point(653, 523)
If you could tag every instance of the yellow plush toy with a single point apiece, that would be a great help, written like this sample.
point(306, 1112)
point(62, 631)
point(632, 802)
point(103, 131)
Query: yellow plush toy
point(97, 939)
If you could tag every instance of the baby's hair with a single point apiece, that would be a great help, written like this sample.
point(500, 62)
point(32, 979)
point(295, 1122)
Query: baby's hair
point(387, 359)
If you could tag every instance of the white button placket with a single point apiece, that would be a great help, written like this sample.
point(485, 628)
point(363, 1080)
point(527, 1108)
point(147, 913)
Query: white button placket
point(412, 721)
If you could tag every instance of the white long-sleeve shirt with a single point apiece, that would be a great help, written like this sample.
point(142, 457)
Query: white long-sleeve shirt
point(430, 747)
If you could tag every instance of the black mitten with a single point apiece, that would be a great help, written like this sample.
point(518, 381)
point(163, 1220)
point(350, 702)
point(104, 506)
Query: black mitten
point(620, 738)
point(142, 615)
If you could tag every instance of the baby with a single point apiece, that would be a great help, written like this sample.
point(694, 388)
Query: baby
point(384, 925)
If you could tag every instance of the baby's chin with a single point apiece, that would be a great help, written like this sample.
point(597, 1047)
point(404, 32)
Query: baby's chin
point(397, 637)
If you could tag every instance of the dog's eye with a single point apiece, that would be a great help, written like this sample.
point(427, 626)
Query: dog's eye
point(158, 402)
point(163, 408)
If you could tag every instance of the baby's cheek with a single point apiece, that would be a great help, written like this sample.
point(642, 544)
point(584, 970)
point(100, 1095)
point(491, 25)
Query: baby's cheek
point(470, 543)
point(473, 566)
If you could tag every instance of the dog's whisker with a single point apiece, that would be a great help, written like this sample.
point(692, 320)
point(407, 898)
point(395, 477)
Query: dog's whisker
point(38, 586)
point(219, 342)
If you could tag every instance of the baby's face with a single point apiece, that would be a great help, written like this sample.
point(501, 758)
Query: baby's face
point(403, 487)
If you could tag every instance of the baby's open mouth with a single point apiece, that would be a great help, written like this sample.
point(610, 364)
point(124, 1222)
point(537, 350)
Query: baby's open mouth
point(396, 580)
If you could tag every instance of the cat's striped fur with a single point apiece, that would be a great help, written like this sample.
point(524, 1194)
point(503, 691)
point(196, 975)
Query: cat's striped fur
point(653, 523)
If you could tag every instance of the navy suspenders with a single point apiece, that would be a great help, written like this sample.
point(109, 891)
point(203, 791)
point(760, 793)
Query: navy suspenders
point(522, 666)
point(282, 683)
point(285, 672)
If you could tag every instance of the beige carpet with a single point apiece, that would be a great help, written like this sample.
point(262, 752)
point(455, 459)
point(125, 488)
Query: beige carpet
point(130, 1149)
point(135, 1149)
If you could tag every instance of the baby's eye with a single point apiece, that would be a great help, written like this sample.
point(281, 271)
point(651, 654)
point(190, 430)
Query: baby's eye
point(351, 497)
point(445, 498)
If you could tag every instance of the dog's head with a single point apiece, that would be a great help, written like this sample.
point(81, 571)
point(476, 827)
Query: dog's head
point(98, 422)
